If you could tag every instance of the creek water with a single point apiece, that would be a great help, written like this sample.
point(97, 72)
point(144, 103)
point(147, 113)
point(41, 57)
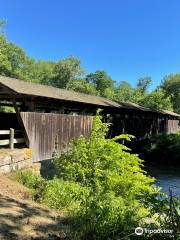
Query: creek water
point(167, 177)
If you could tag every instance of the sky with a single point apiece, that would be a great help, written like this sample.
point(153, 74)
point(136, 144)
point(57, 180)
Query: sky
point(129, 39)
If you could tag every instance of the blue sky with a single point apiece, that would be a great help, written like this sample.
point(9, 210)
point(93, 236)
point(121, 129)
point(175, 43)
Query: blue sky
point(127, 38)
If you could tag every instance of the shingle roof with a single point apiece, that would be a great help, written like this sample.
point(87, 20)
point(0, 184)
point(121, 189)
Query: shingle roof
point(33, 89)
point(138, 107)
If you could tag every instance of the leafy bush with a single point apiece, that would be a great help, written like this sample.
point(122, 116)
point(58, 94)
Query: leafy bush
point(172, 220)
point(107, 216)
point(121, 196)
point(28, 178)
point(163, 148)
point(55, 193)
point(33, 181)
point(64, 195)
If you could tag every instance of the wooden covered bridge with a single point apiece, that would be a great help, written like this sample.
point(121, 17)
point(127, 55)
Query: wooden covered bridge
point(47, 118)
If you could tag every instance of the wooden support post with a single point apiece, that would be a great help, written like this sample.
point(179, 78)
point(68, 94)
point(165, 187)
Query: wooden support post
point(11, 143)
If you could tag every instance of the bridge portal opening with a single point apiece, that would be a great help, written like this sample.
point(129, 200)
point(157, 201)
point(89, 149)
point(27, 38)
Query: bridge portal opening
point(9, 125)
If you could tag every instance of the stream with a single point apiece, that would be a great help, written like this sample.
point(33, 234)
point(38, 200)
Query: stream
point(166, 177)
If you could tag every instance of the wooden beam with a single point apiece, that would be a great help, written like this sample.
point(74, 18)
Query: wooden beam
point(7, 132)
point(7, 141)
point(4, 132)
point(4, 142)
point(19, 140)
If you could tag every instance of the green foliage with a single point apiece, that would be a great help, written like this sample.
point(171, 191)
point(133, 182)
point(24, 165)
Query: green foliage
point(33, 181)
point(7, 109)
point(171, 87)
point(55, 193)
point(64, 195)
point(157, 100)
point(104, 83)
point(172, 220)
point(121, 195)
point(2, 24)
point(80, 85)
point(163, 148)
point(41, 72)
point(169, 218)
point(124, 92)
point(13, 60)
point(143, 84)
point(98, 161)
point(28, 178)
point(65, 72)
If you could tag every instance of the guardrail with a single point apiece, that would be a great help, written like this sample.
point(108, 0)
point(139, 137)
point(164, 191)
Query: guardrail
point(12, 140)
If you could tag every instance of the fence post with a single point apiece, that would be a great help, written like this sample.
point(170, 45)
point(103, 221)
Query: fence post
point(11, 144)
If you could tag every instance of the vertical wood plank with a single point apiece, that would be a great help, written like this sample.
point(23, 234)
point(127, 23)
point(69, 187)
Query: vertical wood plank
point(46, 129)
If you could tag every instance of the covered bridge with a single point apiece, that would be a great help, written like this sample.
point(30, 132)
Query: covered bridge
point(47, 117)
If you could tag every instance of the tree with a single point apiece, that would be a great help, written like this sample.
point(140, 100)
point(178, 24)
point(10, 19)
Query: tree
point(124, 92)
point(143, 84)
point(171, 87)
point(65, 72)
point(80, 85)
point(157, 100)
point(13, 60)
point(2, 24)
point(41, 72)
point(104, 83)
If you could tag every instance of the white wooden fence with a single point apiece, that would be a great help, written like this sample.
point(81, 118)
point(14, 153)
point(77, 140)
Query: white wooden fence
point(11, 140)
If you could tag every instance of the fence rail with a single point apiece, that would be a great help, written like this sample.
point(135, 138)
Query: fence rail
point(12, 140)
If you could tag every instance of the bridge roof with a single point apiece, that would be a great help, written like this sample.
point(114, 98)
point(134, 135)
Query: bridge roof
point(39, 90)
point(19, 87)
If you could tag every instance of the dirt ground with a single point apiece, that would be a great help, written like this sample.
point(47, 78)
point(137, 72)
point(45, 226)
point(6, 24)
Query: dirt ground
point(20, 218)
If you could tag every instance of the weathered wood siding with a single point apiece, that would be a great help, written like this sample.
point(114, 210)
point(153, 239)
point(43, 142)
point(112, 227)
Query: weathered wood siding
point(142, 126)
point(173, 126)
point(47, 131)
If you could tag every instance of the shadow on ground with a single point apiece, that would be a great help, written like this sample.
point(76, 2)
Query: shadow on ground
point(25, 220)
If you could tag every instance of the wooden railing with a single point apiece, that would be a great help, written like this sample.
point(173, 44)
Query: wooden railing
point(12, 140)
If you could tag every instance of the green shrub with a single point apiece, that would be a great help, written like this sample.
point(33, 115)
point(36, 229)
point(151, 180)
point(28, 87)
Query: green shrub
point(33, 181)
point(65, 195)
point(55, 193)
point(121, 196)
point(163, 148)
point(172, 213)
point(108, 216)
point(28, 178)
